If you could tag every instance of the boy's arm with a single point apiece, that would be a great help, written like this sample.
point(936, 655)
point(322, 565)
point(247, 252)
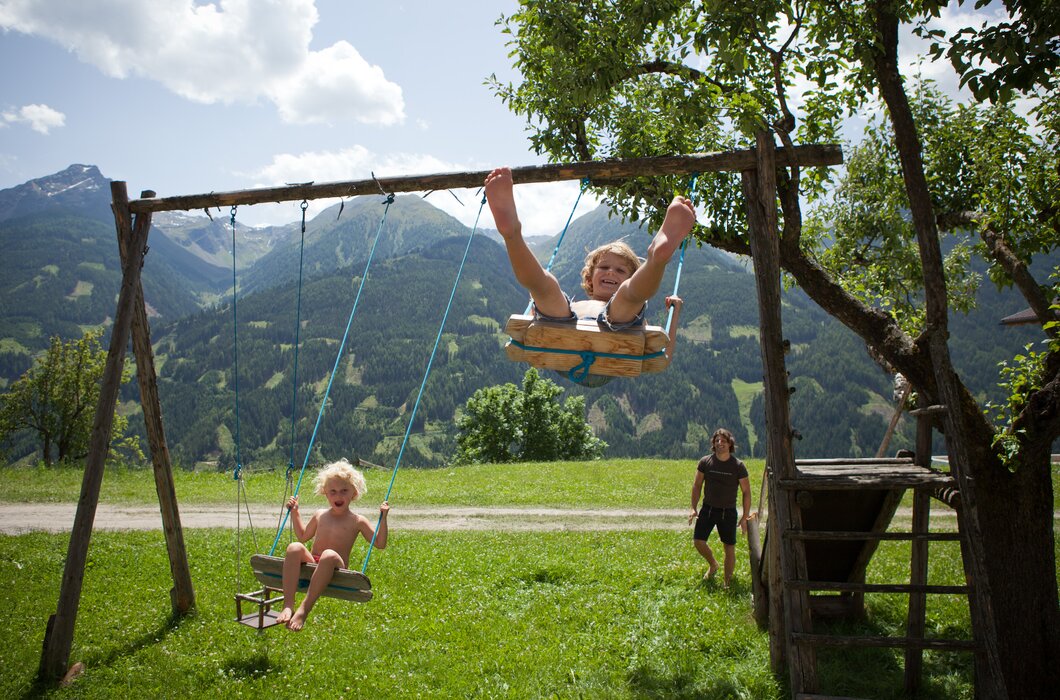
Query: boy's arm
point(301, 532)
point(381, 534)
point(676, 302)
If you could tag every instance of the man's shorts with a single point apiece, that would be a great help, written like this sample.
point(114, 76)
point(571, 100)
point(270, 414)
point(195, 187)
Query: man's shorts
point(724, 518)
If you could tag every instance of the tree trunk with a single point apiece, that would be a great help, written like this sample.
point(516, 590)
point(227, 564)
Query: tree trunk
point(1012, 560)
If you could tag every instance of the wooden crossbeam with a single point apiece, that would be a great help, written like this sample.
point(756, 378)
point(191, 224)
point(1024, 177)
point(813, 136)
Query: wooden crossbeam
point(601, 172)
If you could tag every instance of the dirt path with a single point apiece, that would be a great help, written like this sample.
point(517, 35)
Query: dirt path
point(17, 518)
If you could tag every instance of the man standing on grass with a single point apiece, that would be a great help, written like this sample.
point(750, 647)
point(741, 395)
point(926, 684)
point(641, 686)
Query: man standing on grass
point(722, 473)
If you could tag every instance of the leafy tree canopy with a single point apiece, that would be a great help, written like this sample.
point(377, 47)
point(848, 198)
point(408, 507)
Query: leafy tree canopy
point(56, 399)
point(510, 424)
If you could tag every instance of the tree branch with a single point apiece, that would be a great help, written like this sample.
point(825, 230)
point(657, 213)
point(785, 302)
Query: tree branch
point(677, 69)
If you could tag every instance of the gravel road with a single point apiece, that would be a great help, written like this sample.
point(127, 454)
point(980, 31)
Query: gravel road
point(17, 518)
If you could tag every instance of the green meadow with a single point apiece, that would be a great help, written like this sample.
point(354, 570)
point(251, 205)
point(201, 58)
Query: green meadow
point(479, 614)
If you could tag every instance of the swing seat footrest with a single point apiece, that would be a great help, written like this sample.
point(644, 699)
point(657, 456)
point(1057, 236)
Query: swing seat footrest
point(264, 617)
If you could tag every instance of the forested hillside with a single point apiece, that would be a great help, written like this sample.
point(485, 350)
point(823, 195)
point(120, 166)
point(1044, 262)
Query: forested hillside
point(64, 277)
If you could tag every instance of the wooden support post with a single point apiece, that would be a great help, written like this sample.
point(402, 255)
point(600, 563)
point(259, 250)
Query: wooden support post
point(918, 574)
point(182, 595)
point(760, 190)
point(58, 638)
point(778, 648)
point(758, 588)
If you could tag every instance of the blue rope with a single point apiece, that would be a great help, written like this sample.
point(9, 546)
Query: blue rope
point(426, 374)
point(342, 346)
point(235, 347)
point(297, 333)
point(681, 259)
point(552, 259)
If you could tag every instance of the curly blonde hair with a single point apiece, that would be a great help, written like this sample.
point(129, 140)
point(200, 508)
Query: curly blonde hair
point(341, 470)
point(619, 248)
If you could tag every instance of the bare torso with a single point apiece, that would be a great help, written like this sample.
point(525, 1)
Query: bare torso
point(337, 532)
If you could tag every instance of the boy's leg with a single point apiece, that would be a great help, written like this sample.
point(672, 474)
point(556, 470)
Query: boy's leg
point(292, 565)
point(644, 283)
point(543, 286)
point(329, 562)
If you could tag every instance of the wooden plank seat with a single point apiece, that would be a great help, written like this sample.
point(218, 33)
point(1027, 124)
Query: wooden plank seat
point(586, 344)
point(346, 584)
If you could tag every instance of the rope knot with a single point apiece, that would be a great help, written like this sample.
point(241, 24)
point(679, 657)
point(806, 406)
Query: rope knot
point(579, 371)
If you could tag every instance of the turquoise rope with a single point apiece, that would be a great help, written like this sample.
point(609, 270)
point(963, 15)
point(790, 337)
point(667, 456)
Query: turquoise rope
point(426, 374)
point(297, 333)
point(681, 260)
point(552, 259)
point(235, 347)
point(342, 347)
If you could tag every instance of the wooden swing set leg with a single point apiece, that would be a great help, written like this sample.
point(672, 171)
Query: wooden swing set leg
point(264, 599)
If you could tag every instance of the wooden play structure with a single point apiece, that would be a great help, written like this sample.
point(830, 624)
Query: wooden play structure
point(799, 493)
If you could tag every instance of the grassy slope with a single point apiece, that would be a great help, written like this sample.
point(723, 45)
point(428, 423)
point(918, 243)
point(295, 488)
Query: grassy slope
point(563, 614)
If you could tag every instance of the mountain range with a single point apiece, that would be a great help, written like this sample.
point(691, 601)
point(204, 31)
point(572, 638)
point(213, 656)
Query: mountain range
point(62, 277)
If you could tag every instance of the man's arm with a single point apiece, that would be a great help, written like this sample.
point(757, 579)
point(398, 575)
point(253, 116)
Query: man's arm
point(745, 486)
point(697, 487)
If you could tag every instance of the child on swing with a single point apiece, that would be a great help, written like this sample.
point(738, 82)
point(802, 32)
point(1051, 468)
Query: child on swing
point(333, 531)
point(617, 282)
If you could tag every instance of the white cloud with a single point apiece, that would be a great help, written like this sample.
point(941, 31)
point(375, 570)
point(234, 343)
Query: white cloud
point(228, 51)
point(333, 83)
point(40, 118)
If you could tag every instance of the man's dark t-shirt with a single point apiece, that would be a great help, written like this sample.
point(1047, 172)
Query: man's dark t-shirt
point(722, 480)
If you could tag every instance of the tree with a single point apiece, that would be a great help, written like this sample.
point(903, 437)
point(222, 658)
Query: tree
point(57, 398)
point(625, 78)
point(508, 424)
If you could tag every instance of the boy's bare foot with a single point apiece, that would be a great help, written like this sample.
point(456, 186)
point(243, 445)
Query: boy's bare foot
point(297, 622)
point(501, 197)
point(284, 616)
point(680, 217)
point(710, 574)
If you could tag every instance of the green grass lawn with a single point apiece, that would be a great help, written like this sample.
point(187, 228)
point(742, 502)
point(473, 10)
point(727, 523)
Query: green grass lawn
point(465, 614)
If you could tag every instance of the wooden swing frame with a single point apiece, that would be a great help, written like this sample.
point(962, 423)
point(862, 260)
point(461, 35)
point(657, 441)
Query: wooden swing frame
point(132, 220)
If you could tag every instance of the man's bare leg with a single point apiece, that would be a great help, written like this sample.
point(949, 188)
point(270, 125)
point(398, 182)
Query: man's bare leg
point(704, 549)
point(730, 564)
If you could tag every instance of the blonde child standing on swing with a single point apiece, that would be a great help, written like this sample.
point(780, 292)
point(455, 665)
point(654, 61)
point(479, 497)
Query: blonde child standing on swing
point(333, 531)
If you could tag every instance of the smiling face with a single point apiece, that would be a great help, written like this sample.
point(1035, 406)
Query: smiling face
point(339, 493)
point(606, 268)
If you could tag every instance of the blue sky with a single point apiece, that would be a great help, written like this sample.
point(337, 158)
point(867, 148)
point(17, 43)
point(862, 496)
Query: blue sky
point(185, 97)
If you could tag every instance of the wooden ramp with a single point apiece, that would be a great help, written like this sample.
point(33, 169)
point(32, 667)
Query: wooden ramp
point(841, 498)
point(345, 584)
point(839, 512)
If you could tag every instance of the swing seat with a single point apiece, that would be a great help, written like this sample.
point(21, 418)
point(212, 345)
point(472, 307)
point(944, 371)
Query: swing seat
point(563, 346)
point(346, 584)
